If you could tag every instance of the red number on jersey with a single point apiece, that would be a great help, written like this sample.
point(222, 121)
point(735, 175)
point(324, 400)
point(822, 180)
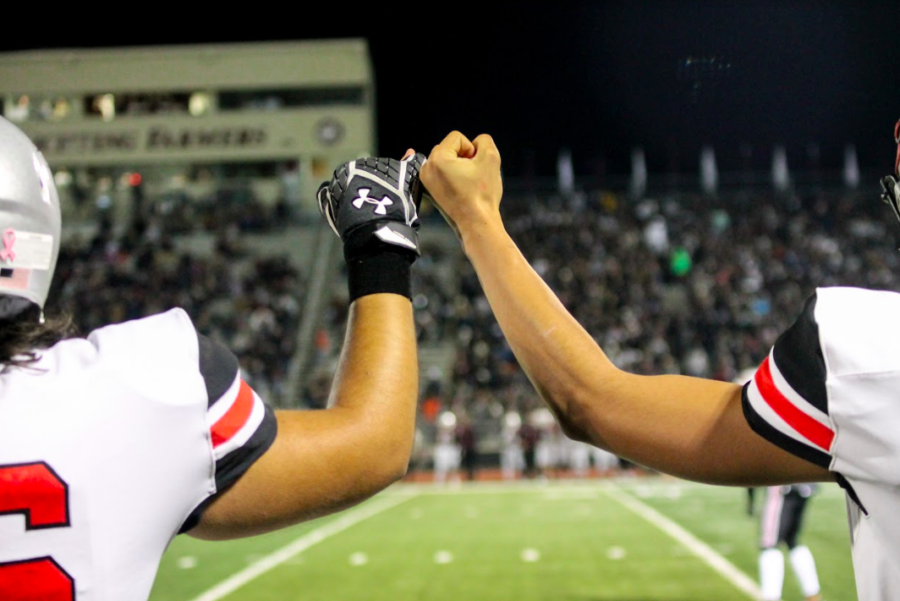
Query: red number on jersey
point(35, 491)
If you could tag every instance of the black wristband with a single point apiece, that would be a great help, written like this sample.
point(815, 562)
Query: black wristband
point(384, 272)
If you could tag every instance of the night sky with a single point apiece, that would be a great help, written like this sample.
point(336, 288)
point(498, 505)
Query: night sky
point(602, 77)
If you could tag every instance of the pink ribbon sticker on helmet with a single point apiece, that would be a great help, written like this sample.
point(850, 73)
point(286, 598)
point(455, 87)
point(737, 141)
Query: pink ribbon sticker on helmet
point(9, 240)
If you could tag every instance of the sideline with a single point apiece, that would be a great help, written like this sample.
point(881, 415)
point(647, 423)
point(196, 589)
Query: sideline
point(273, 560)
point(704, 552)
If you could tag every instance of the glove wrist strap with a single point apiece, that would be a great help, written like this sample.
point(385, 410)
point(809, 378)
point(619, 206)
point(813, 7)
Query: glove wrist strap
point(378, 236)
point(385, 272)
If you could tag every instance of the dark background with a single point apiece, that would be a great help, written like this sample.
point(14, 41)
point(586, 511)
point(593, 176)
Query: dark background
point(600, 78)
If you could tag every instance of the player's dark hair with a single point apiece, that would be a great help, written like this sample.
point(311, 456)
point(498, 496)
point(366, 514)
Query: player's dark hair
point(23, 332)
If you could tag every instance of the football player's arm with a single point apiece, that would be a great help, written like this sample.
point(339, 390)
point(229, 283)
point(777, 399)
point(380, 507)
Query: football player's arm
point(324, 461)
point(688, 427)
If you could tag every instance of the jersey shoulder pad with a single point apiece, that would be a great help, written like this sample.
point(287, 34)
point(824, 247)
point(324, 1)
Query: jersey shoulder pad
point(157, 356)
point(860, 331)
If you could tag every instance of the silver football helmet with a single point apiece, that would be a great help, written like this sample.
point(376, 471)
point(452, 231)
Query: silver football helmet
point(29, 218)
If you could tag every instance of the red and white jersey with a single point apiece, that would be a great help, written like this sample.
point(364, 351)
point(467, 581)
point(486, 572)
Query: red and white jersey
point(829, 392)
point(109, 447)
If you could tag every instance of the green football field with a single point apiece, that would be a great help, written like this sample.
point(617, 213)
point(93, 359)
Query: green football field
point(627, 540)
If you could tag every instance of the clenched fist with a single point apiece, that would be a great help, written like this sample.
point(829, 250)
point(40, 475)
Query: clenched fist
point(463, 179)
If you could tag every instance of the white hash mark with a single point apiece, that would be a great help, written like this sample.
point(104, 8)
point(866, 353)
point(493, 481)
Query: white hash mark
point(530, 555)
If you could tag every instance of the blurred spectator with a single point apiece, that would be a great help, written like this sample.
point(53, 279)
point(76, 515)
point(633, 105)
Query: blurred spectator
point(529, 436)
point(604, 461)
point(447, 455)
point(552, 450)
point(465, 438)
point(579, 458)
point(512, 460)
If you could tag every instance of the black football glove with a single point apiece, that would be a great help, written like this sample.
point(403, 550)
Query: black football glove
point(373, 205)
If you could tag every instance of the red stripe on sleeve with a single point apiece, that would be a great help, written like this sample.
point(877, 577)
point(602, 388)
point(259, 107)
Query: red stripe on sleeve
point(814, 431)
point(235, 418)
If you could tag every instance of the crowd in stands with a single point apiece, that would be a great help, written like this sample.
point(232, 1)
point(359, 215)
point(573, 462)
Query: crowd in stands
point(250, 304)
point(697, 286)
point(700, 286)
point(223, 207)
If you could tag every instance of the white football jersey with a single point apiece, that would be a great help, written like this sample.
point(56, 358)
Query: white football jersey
point(109, 447)
point(829, 392)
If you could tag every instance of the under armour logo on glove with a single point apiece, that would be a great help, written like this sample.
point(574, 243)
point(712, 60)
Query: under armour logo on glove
point(380, 204)
point(392, 186)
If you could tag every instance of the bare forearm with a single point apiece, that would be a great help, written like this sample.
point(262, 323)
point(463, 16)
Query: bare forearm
point(377, 377)
point(325, 461)
point(558, 355)
point(373, 404)
point(688, 427)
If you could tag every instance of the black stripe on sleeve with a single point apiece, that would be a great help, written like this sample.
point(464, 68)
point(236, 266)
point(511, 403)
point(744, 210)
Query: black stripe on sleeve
point(783, 441)
point(232, 466)
point(798, 356)
point(218, 366)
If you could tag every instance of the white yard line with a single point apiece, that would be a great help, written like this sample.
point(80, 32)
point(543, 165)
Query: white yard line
point(704, 552)
point(273, 560)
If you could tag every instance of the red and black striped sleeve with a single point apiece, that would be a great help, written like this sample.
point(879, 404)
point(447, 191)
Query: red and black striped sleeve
point(786, 402)
point(241, 427)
